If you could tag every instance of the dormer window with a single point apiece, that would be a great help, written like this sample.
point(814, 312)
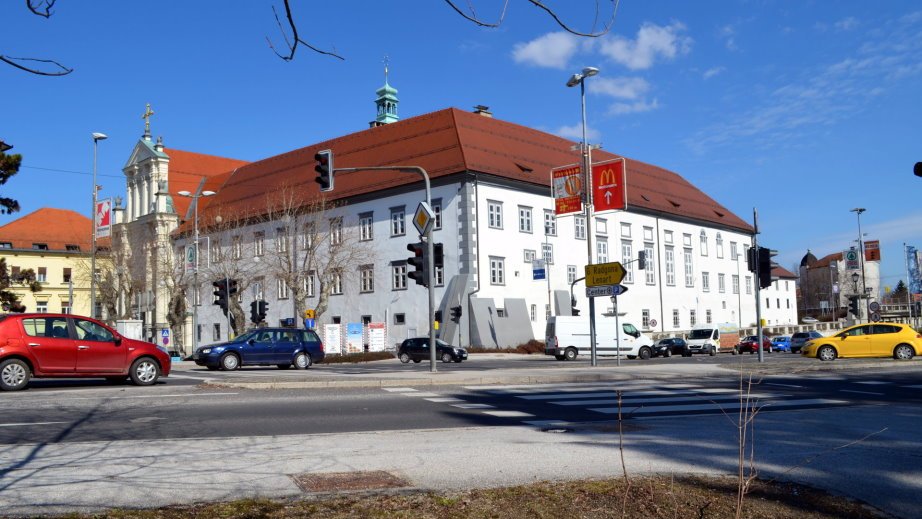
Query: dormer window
point(73, 248)
point(6, 245)
point(40, 246)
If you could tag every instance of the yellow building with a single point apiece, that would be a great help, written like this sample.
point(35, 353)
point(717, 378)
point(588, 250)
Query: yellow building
point(56, 245)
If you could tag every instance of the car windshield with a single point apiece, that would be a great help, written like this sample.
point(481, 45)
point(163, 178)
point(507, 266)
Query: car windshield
point(751, 338)
point(700, 334)
point(247, 336)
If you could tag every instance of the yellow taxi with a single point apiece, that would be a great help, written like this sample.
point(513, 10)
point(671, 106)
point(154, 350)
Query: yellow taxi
point(895, 340)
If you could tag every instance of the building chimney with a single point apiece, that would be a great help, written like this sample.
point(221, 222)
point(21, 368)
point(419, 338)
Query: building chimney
point(483, 110)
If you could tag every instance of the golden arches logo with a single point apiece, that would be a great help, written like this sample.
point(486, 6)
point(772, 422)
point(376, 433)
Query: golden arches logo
point(607, 178)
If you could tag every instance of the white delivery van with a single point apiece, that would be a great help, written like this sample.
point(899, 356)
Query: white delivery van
point(568, 336)
point(711, 339)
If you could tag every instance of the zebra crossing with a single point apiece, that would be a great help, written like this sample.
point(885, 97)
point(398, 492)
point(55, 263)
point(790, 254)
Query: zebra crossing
point(560, 404)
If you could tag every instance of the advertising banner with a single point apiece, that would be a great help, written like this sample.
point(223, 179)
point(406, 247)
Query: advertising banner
point(872, 250)
point(914, 267)
point(354, 343)
point(377, 337)
point(609, 190)
point(103, 218)
point(567, 189)
point(333, 338)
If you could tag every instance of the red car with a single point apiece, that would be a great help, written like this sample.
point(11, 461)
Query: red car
point(748, 344)
point(69, 346)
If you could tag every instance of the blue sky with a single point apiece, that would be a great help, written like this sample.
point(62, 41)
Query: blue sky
point(802, 110)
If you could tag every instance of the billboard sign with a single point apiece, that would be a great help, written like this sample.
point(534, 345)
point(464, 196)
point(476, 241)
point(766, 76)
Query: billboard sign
point(103, 218)
point(609, 192)
point(567, 189)
point(914, 266)
point(872, 250)
point(851, 259)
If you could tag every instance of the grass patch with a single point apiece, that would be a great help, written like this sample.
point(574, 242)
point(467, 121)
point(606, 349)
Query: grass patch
point(650, 498)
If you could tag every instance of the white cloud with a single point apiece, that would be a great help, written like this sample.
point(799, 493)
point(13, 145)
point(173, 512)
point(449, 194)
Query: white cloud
point(728, 33)
point(553, 50)
point(619, 87)
point(711, 72)
point(575, 132)
point(846, 24)
point(652, 42)
point(633, 108)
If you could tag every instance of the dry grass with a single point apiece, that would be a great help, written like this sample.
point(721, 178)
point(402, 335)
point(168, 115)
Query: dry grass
point(530, 347)
point(663, 497)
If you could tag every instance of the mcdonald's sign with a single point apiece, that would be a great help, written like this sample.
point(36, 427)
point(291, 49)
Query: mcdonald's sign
point(567, 186)
point(609, 189)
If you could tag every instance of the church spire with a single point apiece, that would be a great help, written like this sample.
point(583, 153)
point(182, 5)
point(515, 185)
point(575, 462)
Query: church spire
point(387, 100)
point(146, 116)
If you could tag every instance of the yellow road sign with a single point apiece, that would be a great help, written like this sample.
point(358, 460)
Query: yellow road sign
point(308, 314)
point(604, 274)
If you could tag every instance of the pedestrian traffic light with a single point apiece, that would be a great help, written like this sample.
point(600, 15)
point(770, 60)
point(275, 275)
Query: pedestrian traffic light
point(324, 169)
point(456, 313)
point(254, 312)
point(438, 255)
point(766, 265)
point(263, 310)
point(420, 262)
point(853, 306)
point(220, 294)
point(752, 259)
point(641, 264)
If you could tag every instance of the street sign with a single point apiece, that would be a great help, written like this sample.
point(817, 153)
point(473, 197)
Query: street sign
point(538, 270)
point(309, 313)
point(851, 259)
point(567, 189)
point(103, 218)
point(875, 316)
point(190, 258)
point(610, 290)
point(653, 323)
point(874, 306)
point(872, 250)
point(423, 218)
point(609, 191)
point(604, 274)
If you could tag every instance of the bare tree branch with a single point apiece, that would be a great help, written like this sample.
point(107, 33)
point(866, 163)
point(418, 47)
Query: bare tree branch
point(10, 60)
point(293, 44)
point(593, 33)
point(473, 16)
point(41, 7)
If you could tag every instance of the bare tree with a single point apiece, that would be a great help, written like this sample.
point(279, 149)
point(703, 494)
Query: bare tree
point(39, 8)
point(24, 277)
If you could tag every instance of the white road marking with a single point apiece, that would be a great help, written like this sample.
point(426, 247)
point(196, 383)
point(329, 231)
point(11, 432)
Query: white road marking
point(914, 387)
point(873, 382)
point(176, 395)
point(781, 385)
point(508, 414)
point(860, 392)
point(27, 424)
point(444, 399)
point(399, 389)
point(626, 394)
point(533, 388)
point(734, 406)
point(472, 406)
point(420, 394)
point(547, 423)
point(701, 398)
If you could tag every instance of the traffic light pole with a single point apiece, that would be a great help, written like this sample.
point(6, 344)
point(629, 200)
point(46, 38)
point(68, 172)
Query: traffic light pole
point(429, 246)
point(758, 284)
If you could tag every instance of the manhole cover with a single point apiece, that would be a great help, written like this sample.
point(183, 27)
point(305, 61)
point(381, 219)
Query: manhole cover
point(340, 481)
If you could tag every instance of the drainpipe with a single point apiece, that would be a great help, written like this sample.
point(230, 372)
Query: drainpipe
point(470, 328)
point(659, 274)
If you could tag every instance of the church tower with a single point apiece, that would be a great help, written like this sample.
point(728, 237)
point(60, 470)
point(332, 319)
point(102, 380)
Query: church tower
point(386, 102)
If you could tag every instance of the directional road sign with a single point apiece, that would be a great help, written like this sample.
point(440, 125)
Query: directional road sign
point(610, 290)
point(604, 274)
point(538, 270)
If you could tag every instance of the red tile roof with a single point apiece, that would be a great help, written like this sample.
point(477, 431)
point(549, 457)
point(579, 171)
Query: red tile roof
point(826, 260)
point(188, 168)
point(448, 142)
point(55, 227)
point(783, 273)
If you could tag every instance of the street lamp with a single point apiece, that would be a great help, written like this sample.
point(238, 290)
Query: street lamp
point(580, 79)
point(858, 211)
point(855, 281)
point(195, 292)
point(96, 138)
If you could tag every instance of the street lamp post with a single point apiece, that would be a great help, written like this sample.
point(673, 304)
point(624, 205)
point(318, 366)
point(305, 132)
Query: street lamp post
point(195, 290)
point(96, 138)
point(864, 286)
point(580, 79)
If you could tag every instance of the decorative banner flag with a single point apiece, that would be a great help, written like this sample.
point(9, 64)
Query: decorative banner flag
point(872, 250)
point(913, 265)
point(103, 218)
point(567, 189)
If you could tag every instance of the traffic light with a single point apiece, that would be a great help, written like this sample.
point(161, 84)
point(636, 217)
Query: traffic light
point(641, 264)
point(456, 313)
point(231, 288)
point(438, 255)
point(263, 310)
point(220, 294)
point(917, 169)
point(438, 315)
point(765, 267)
point(853, 306)
point(324, 169)
point(420, 262)
point(254, 312)
point(752, 259)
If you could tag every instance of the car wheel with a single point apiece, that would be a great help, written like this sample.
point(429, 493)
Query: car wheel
point(667, 353)
point(712, 351)
point(308, 361)
point(736, 350)
point(560, 357)
point(144, 372)
point(446, 357)
point(645, 353)
point(826, 353)
point(903, 352)
point(303, 361)
point(404, 357)
point(230, 362)
point(570, 354)
point(14, 374)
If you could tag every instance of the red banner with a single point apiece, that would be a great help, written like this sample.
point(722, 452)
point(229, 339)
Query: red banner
point(609, 191)
point(567, 189)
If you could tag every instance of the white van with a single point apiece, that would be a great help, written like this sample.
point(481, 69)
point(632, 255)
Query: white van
point(712, 339)
point(568, 336)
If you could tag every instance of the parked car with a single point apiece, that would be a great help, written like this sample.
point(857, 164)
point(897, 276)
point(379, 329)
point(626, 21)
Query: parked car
point(895, 340)
point(781, 343)
point(282, 347)
point(670, 347)
point(417, 350)
point(809, 320)
point(800, 338)
point(748, 344)
point(67, 346)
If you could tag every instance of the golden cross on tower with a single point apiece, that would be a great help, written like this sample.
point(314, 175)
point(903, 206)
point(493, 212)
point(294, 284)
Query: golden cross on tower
point(146, 116)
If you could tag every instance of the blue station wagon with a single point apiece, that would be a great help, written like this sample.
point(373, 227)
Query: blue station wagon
point(282, 347)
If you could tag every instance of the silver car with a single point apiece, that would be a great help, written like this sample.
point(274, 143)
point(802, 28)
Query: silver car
point(800, 338)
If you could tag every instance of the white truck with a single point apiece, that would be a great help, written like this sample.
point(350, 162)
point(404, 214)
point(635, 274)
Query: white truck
point(566, 337)
point(711, 339)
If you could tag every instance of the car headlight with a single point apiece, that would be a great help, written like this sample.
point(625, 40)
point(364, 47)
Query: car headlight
point(206, 351)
